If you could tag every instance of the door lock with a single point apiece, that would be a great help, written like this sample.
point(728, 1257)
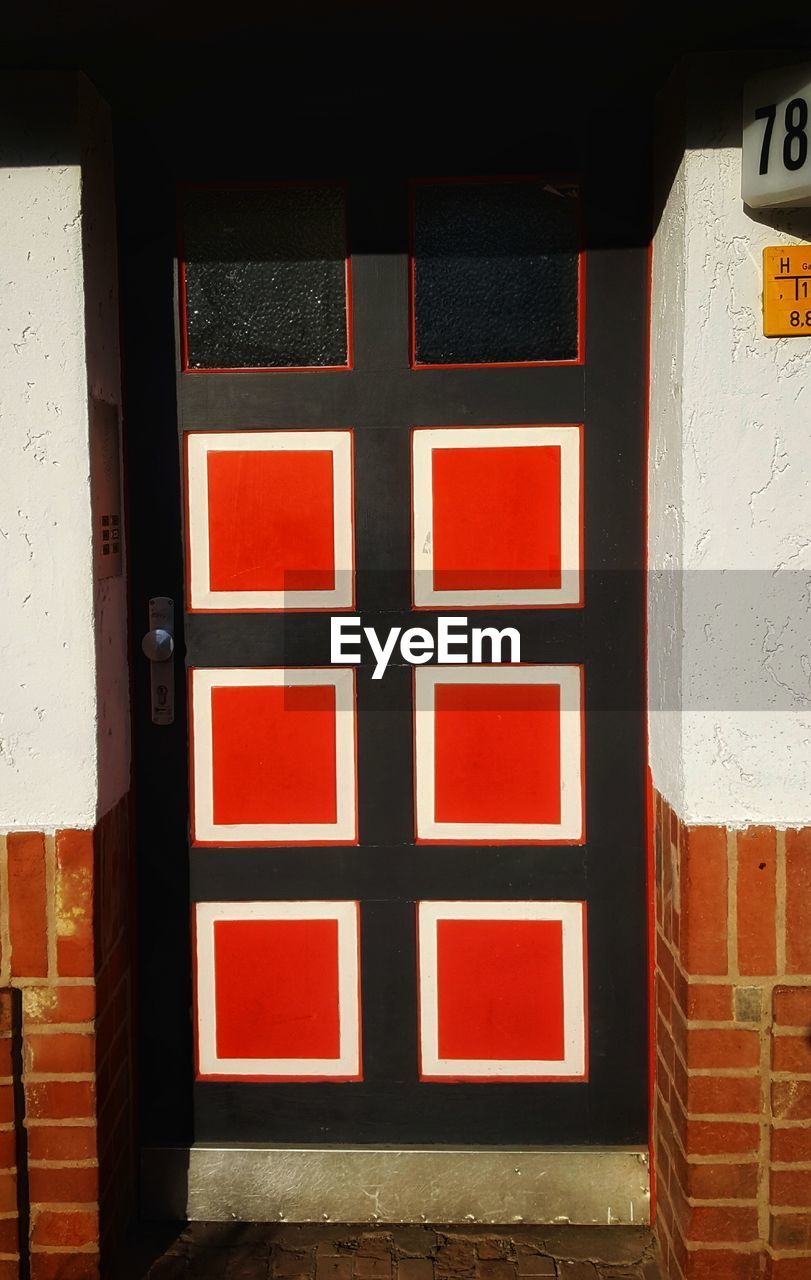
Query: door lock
point(158, 646)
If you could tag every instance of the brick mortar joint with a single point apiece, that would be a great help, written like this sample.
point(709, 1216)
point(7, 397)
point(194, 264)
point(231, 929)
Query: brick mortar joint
point(71, 1208)
point(68, 1250)
point(60, 1028)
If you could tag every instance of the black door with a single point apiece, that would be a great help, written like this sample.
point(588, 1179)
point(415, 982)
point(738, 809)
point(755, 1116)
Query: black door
point(399, 377)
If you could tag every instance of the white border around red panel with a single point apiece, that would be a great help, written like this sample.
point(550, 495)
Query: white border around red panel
point(198, 445)
point(574, 1064)
point(345, 1067)
point(569, 439)
point(570, 829)
point(204, 828)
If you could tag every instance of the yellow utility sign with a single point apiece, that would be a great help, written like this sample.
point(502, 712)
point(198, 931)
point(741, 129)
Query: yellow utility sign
point(787, 290)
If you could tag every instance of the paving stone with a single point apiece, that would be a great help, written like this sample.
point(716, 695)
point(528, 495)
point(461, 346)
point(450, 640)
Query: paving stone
point(171, 1266)
point(578, 1270)
point(253, 1248)
point(496, 1270)
point(369, 1266)
point(248, 1263)
point(614, 1246)
point(326, 1246)
point(265, 1234)
point(209, 1264)
point(416, 1241)
point(455, 1256)
point(494, 1247)
point(223, 1235)
point(306, 1235)
point(333, 1266)
point(335, 1251)
point(344, 1242)
point(376, 1244)
point(415, 1269)
point(292, 1262)
point(174, 1248)
point(532, 1265)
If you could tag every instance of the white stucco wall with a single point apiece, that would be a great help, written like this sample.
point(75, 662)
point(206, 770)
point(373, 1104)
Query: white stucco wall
point(730, 500)
point(730, 497)
point(59, 344)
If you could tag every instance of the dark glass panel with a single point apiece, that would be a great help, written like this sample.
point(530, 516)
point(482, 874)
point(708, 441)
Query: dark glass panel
point(495, 272)
point(265, 276)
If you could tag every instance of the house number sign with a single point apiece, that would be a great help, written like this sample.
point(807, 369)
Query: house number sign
point(776, 169)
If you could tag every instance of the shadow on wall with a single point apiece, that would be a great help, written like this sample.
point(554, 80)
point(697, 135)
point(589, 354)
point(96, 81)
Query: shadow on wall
point(715, 81)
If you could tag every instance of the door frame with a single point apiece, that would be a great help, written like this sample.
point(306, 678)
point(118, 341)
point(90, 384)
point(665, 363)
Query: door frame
point(183, 1179)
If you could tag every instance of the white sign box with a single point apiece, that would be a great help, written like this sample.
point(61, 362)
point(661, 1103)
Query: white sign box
point(777, 138)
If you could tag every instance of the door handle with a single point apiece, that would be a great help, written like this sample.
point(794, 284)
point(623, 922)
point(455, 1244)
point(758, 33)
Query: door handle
point(158, 645)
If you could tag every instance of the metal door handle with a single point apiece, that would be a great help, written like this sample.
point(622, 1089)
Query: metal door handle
point(158, 646)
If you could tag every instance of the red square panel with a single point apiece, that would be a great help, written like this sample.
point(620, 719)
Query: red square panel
point(271, 520)
point(500, 989)
point(270, 524)
point(274, 754)
point(497, 752)
point(496, 518)
point(277, 988)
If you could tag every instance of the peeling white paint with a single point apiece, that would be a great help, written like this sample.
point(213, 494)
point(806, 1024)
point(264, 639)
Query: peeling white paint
point(730, 498)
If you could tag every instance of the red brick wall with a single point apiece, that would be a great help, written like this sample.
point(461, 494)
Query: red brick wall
point(733, 1051)
point(65, 1129)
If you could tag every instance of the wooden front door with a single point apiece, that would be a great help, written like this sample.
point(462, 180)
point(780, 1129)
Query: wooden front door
point(407, 909)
